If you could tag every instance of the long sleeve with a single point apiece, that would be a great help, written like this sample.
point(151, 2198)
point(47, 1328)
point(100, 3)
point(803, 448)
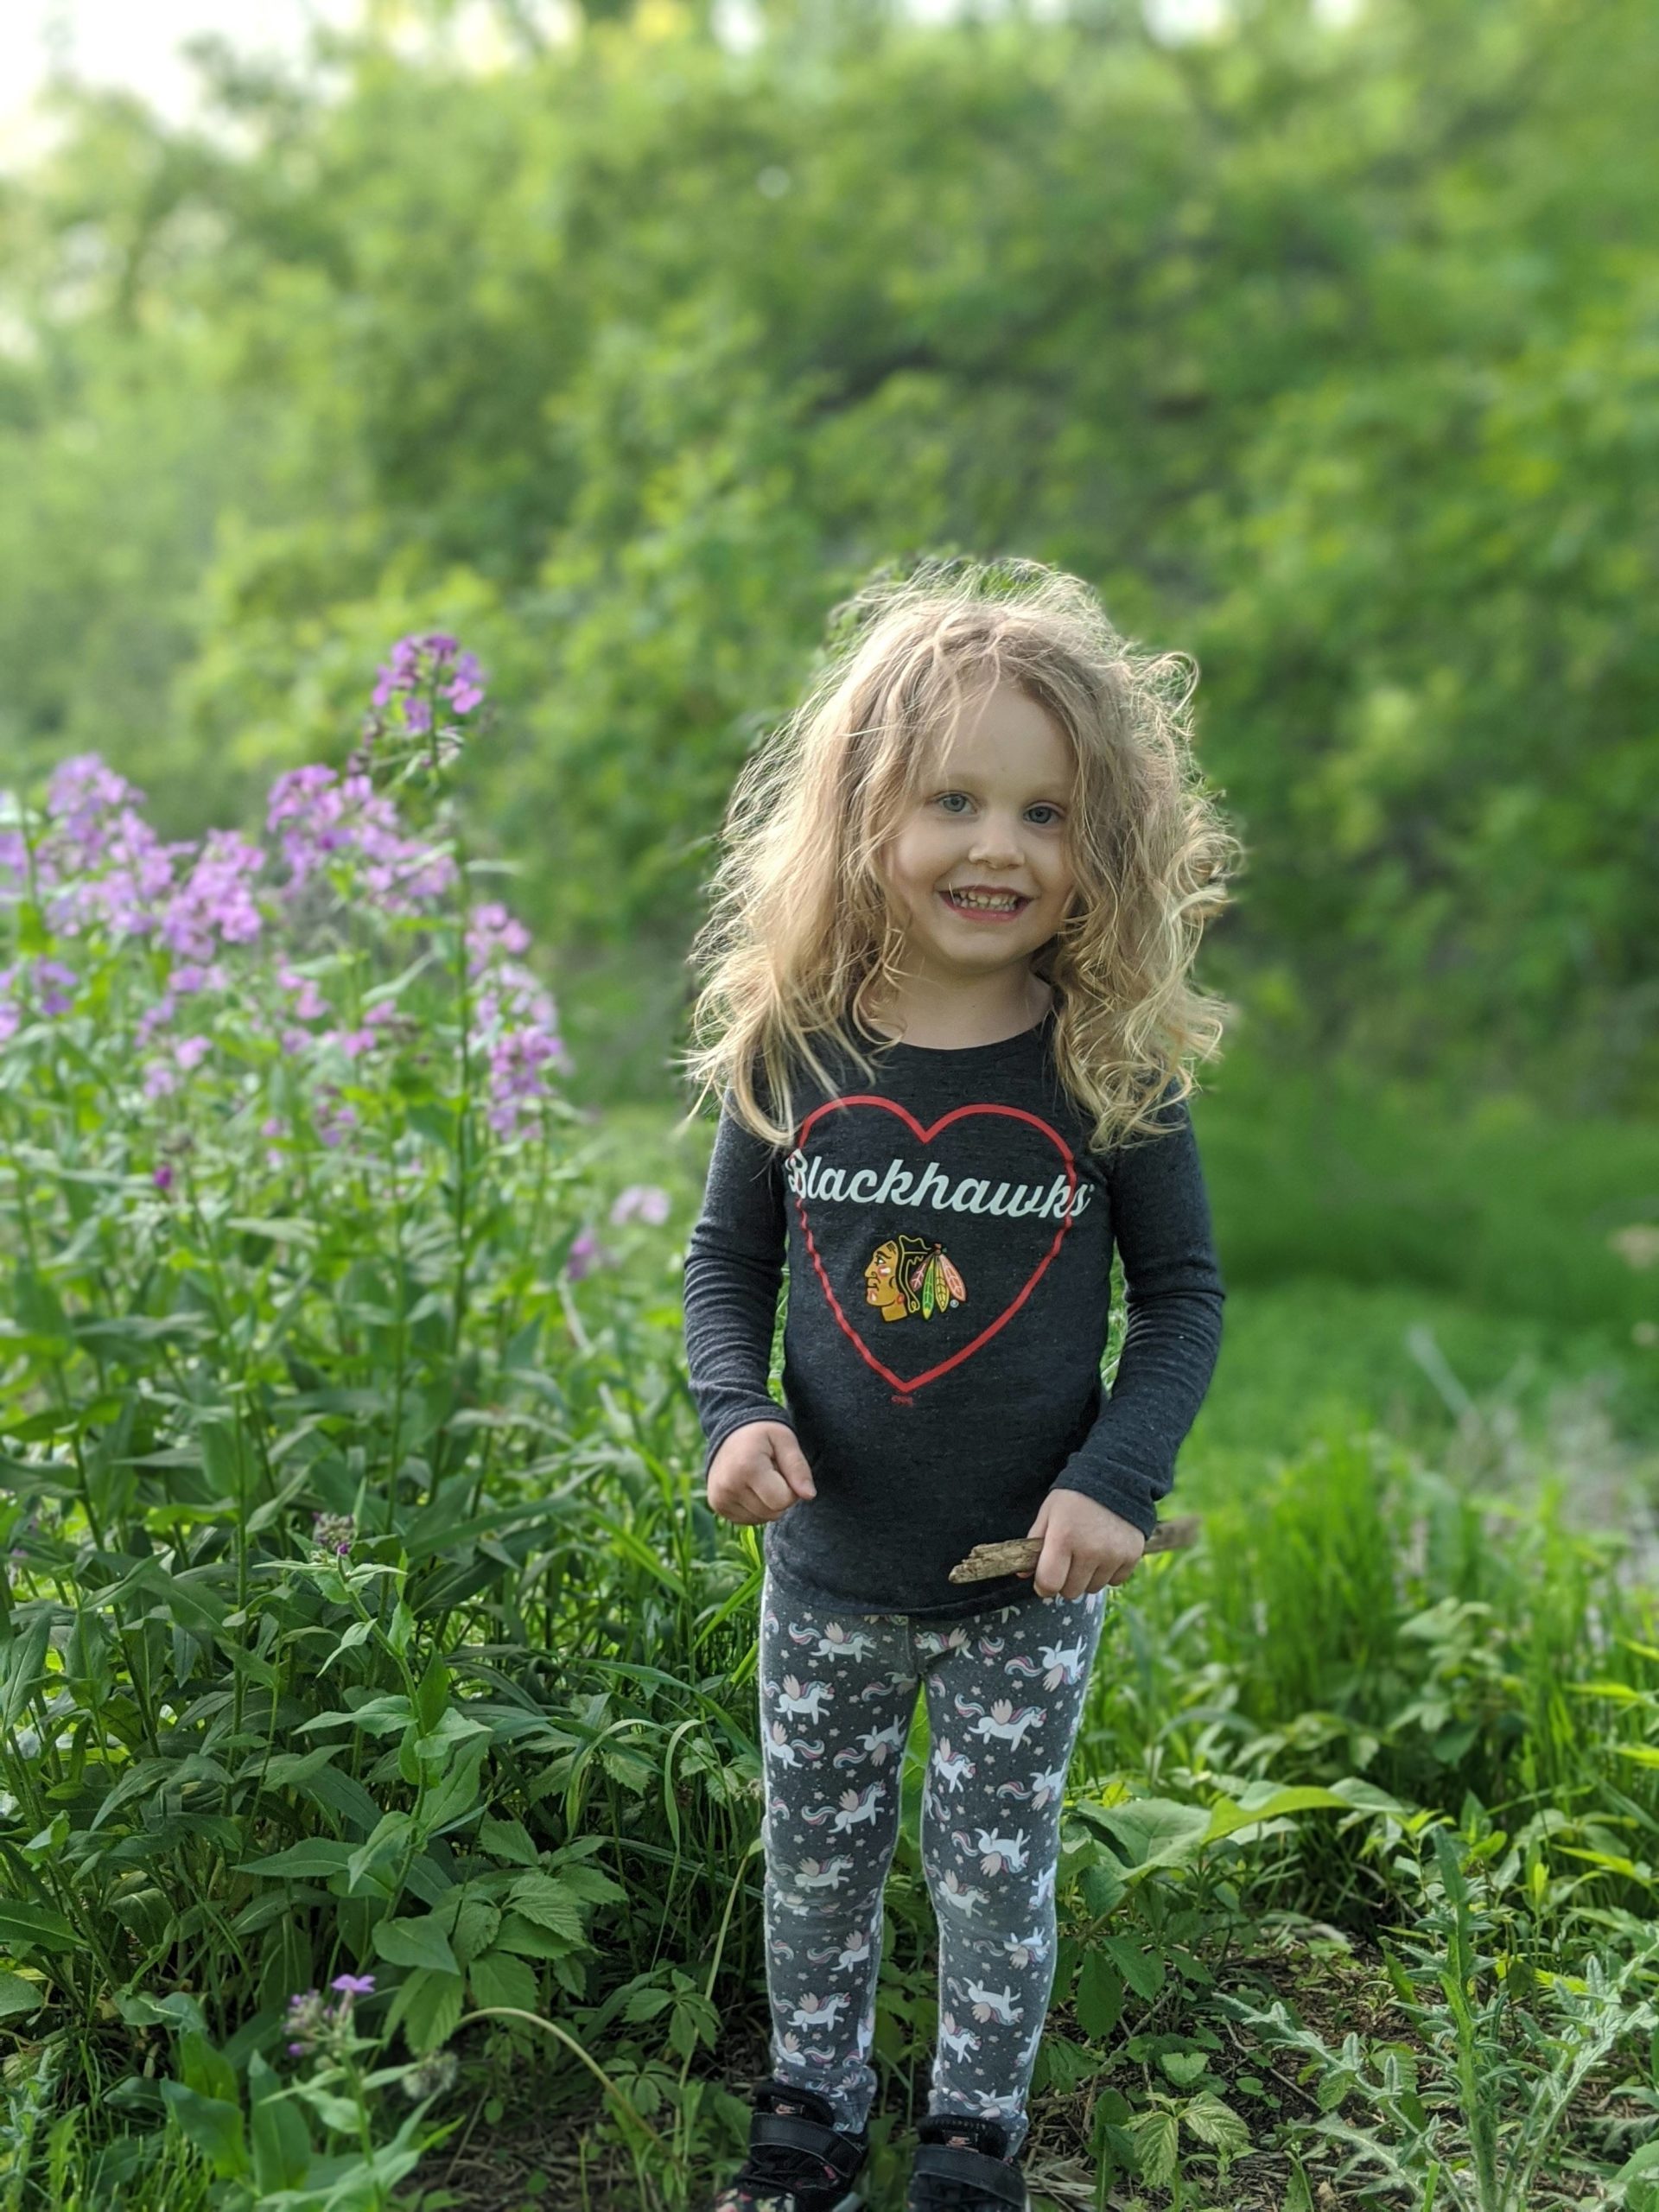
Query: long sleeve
point(1160, 1220)
point(734, 1264)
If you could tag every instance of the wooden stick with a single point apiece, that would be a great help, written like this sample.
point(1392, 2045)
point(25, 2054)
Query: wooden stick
point(1009, 1557)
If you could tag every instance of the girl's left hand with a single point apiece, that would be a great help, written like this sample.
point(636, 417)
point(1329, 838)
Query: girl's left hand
point(1086, 1546)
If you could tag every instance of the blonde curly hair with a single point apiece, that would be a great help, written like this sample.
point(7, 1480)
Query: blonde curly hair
point(801, 932)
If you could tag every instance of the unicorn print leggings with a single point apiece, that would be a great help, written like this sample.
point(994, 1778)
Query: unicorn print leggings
point(1005, 1693)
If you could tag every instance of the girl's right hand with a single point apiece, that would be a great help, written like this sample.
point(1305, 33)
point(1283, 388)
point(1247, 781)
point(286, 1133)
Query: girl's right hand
point(758, 1473)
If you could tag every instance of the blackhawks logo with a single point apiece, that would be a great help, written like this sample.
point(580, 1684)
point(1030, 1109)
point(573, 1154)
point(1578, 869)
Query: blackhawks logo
point(911, 1274)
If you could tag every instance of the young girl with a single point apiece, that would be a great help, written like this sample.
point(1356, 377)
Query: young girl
point(949, 951)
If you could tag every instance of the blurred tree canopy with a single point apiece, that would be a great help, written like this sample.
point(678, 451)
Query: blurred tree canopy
point(1329, 354)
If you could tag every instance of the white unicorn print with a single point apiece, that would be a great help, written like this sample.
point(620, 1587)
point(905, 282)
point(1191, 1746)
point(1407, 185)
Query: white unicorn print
point(1062, 1664)
point(834, 1640)
point(785, 1750)
point(960, 1895)
point(996, 1853)
point(854, 1953)
point(792, 1698)
point(1001, 1720)
point(949, 1766)
point(856, 1806)
point(814, 2012)
point(993, 2004)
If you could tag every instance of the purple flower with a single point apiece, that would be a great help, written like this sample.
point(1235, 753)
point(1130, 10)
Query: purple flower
point(216, 901)
point(353, 1985)
point(585, 1254)
point(517, 1057)
point(39, 976)
point(318, 815)
point(334, 1118)
point(47, 972)
point(307, 2017)
point(155, 1017)
point(434, 660)
point(83, 793)
point(311, 1004)
point(163, 1176)
point(642, 1200)
point(467, 685)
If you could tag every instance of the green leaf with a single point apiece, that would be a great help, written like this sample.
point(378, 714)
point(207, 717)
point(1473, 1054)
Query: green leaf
point(207, 2069)
point(590, 1882)
point(379, 1717)
point(530, 1942)
point(379, 1851)
point(213, 2127)
point(1217, 2124)
point(416, 1943)
point(477, 1921)
point(1099, 1996)
point(22, 1662)
point(282, 2142)
point(280, 1231)
point(427, 2006)
point(18, 1995)
point(456, 1795)
point(358, 1632)
point(316, 1859)
point(433, 1695)
point(35, 1928)
point(1142, 1970)
point(499, 1978)
point(335, 2111)
point(510, 1839)
point(544, 1899)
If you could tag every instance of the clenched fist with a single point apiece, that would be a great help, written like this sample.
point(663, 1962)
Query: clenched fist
point(758, 1473)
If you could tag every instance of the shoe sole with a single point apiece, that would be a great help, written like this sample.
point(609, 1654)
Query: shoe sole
point(853, 2202)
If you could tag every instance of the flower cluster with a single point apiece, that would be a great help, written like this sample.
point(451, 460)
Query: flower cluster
point(318, 813)
point(427, 675)
point(313, 2024)
point(423, 665)
point(97, 864)
point(45, 984)
point(334, 1532)
point(517, 1019)
point(641, 1201)
point(91, 862)
point(98, 861)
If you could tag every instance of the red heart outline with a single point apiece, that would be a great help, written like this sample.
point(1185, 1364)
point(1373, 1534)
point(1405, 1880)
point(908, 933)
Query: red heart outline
point(926, 1136)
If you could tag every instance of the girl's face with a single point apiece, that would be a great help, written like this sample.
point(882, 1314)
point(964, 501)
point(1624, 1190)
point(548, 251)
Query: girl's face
point(994, 820)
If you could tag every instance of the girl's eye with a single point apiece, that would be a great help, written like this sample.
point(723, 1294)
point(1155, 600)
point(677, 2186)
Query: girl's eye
point(1041, 807)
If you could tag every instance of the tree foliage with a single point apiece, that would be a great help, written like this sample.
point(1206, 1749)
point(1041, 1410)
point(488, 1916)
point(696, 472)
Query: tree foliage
point(1327, 352)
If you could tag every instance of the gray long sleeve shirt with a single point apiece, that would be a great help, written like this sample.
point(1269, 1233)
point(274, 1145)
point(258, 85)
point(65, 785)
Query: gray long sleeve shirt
point(948, 1231)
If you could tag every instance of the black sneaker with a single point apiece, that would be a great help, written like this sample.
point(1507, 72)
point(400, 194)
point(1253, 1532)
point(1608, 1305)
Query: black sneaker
point(961, 2165)
point(799, 2160)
